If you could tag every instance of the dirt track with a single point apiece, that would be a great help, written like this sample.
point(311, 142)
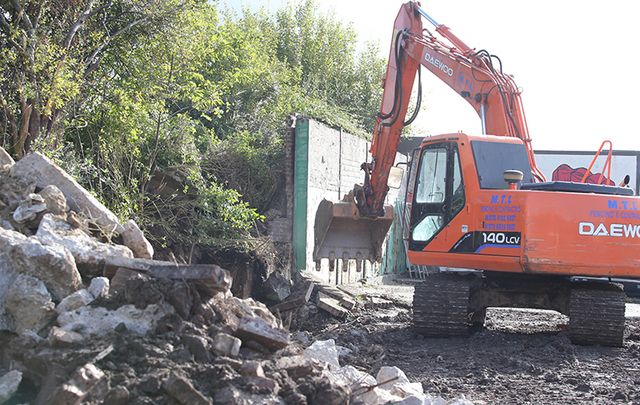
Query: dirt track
point(521, 356)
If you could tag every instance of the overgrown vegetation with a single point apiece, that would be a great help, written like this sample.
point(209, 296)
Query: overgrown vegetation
point(173, 111)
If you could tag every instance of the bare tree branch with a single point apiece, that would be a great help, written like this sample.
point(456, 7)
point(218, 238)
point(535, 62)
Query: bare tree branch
point(86, 13)
point(93, 60)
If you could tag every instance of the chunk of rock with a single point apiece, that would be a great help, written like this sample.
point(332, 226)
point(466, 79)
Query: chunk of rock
point(198, 346)
point(119, 281)
point(117, 396)
point(135, 240)
point(74, 301)
point(99, 287)
point(396, 382)
point(38, 168)
point(54, 265)
point(226, 345)
point(7, 276)
point(29, 209)
point(257, 329)
point(29, 304)
point(82, 382)
point(276, 287)
point(63, 338)
point(296, 366)
point(5, 160)
point(388, 377)
point(9, 382)
point(98, 321)
point(325, 351)
point(55, 201)
point(183, 391)
point(252, 368)
point(358, 380)
point(13, 190)
point(86, 250)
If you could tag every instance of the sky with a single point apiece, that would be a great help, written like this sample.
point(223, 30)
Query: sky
point(573, 60)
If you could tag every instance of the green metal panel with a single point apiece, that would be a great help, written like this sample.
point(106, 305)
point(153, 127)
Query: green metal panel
point(300, 181)
point(394, 258)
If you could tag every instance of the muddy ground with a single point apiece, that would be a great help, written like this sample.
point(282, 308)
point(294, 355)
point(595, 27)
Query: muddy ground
point(521, 356)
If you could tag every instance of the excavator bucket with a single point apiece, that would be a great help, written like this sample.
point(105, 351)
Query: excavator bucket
point(341, 233)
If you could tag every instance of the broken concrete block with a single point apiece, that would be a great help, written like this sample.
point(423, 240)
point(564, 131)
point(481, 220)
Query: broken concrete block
point(98, 321)
point(54, 265)
point(296, 366)
point(325, 351)
point(5, 160)
point(119, 280)
point(263, 385)
point(99, 287)
point(10, 381)
point(296, 299)
point(252, 368)
point(356, 379)
point(183, 391)
point(86, 250)
point(408, 389)
point(135, 240)
point(54, 199)
point(277, 287)
point(257, 329)
point(74, 301)
point(81, 384)
point(63, 338)
point(208, 275)
point(332, 306)
point(29, 304)
point(198, 346)
point(4, 224)
point(226, 345)
point(117, 396)
point(43, 172)
point(388, 377)
point(8, 273)
point(347, 302)
point(29, 209)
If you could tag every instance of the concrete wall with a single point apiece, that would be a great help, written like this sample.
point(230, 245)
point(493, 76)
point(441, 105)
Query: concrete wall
point(334, 159)
point(320, 162)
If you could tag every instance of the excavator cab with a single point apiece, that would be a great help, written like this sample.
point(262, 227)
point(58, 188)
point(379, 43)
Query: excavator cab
point(449, 173)
point(439, 192)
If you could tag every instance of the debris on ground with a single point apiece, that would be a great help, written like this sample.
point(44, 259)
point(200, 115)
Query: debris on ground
point(88, 316)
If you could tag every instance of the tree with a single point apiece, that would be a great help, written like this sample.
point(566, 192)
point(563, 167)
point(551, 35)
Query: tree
point(50, 48)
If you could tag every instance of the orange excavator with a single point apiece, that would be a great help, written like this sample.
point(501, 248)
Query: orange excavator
point(479, 202)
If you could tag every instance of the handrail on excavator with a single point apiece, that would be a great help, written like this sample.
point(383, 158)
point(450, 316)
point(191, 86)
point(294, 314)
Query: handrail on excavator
point(607, 163)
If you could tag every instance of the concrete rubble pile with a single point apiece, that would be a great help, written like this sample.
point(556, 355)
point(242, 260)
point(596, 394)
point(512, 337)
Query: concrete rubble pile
point(87, 316)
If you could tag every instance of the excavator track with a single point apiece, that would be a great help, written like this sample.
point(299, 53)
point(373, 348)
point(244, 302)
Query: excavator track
point(440, 305)
point(596, 315)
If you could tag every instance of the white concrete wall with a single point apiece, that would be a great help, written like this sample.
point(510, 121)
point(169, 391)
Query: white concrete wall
point(334, 168)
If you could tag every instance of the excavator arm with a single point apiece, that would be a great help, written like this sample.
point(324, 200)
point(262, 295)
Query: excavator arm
point(472, 74)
